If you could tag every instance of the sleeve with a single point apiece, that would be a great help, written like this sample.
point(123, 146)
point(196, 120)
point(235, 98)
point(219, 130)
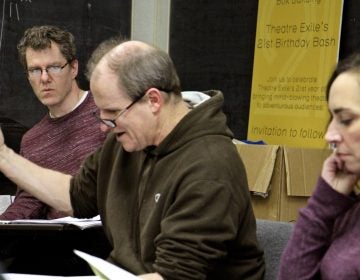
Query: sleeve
point(312, 233)
point(25, 206)
point(88, 187)
point(83, 189)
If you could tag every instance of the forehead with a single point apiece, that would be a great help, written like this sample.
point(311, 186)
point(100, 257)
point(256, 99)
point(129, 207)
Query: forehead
point(345, 92)
point(105, 88)
point(52, 54)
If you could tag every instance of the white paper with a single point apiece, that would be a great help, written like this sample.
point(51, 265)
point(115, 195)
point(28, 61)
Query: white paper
point(109, 270)
point(16, 276)
point(81, 223)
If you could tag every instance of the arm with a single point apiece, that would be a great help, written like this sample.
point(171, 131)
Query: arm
point(49, 186)
point(311, 237)
point(25, 206)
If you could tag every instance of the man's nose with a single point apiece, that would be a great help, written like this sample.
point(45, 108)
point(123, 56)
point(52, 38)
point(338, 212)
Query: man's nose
point(105, 128)
point(44, 76)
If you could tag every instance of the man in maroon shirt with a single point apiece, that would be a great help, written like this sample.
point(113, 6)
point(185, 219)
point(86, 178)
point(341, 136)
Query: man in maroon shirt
point(68, 133)
point(60, 141)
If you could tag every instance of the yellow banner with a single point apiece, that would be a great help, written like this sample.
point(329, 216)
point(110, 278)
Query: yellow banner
point(296, 49)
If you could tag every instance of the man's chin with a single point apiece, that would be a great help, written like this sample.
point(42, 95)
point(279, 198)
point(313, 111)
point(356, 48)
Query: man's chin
point(48, 102)
point(128, 148)
point(125, 144)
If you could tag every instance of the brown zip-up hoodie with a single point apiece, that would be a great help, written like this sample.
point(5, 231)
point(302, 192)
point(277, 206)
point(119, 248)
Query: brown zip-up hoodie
point(182, 208)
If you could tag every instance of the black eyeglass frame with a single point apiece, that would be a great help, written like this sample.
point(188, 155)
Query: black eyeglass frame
point(112, 122)
point(32, 74)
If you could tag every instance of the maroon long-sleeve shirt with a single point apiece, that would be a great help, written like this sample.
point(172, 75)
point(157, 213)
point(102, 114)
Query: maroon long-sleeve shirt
point(325, 243)
point(60, 144)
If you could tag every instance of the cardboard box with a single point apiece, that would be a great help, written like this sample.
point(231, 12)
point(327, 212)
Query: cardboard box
point(281, 179)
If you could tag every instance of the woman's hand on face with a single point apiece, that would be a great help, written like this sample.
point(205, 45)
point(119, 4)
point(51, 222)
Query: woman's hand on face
point(336, 175)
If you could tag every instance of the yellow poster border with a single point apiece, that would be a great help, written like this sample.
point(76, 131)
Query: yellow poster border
point(296, 48)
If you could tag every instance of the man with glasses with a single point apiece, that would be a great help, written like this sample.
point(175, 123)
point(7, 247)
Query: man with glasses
point(168, 182)
point(68, 133)
point(60, 141)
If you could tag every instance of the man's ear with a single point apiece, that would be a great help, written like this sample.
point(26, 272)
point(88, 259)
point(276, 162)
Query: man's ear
point(74, 68)
point(155, 99)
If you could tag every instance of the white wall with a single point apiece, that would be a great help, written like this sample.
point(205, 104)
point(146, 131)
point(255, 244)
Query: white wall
point(150, 22)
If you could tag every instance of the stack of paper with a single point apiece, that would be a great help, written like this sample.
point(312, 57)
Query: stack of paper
point(80, 223)
point(15, 276)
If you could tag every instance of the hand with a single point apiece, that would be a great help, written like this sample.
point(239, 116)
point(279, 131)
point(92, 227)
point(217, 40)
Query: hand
point(151, 276)
point(336, 175)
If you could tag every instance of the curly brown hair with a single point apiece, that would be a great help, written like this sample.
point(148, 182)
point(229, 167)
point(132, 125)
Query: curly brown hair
point(41, 37)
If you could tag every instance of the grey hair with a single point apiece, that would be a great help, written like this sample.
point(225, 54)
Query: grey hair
point(139, 68)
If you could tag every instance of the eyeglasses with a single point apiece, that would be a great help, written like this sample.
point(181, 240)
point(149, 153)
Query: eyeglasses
point(52, 70)
point(111, 122)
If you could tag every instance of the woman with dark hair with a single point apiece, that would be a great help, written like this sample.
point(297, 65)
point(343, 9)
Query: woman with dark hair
point(325, 243)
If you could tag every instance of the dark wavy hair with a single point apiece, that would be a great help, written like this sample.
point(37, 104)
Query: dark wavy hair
point(349, 64)
point(40, 38)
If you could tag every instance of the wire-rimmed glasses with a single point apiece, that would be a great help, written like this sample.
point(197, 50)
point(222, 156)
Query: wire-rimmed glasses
point(112, 122)
point(36, 72)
